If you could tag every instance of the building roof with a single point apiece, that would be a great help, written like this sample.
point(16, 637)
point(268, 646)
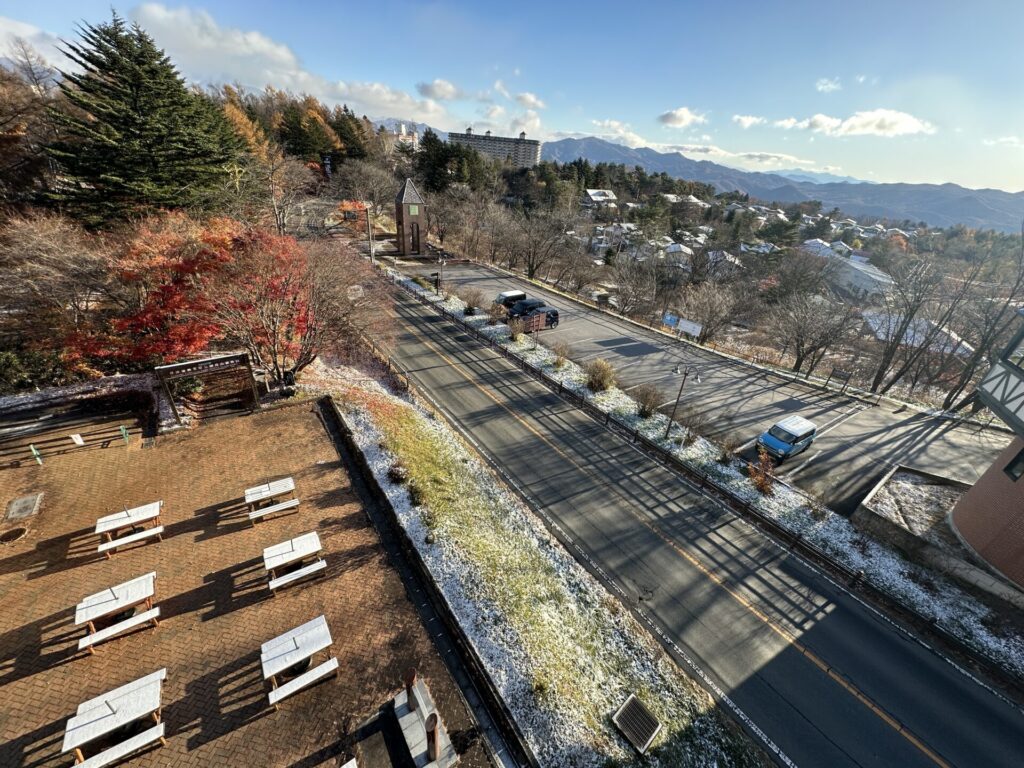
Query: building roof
point(409, 194)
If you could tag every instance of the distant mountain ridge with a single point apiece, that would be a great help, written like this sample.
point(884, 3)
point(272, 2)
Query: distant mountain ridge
point(940, 205)
point(820, 177)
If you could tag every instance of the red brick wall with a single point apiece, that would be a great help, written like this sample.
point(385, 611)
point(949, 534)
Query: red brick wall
point(990, 517)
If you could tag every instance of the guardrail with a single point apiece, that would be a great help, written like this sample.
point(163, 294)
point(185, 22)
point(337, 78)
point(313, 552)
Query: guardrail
point(709, 486)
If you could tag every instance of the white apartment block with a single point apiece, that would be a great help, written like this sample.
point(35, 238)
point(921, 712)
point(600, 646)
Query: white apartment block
point(521, 152)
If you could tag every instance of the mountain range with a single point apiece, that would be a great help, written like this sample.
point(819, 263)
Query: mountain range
point(939, 205)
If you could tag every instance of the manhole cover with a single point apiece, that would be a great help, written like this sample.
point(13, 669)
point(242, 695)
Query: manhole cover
point(13, 534)
point(23, 507)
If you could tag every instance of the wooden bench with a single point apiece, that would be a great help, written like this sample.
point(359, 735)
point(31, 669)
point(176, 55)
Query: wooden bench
point(125, 748)
point(111, 546)
point(116, 629)
point(304, 680)
point(281, 506)
point(301, 573)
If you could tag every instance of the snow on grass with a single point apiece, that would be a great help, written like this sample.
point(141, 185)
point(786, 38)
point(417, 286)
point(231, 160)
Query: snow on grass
point(563, 653)
point(930, 594)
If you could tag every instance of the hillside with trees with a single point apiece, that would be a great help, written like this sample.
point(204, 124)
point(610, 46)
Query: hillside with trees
point(143, 221)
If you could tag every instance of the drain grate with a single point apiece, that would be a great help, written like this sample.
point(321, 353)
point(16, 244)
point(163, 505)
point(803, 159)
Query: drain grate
point(637, 723)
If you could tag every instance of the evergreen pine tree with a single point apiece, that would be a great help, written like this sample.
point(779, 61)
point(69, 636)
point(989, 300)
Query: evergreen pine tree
point(133, 137)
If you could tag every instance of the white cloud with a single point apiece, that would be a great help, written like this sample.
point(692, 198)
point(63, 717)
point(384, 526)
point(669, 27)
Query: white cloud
point(516, 71)
point(776, 159)
point(826, 85)
point(874, 122)
point(494, 112)
point(748, 121)
point(1004, 141)
point(681, 117)
point(530, 100)
point(831, 168)
point(45, 43)
point(501, 89)
point(439, 89)
point(861, 79)
point(620, 133)
point(529, 122)
point(206, 52)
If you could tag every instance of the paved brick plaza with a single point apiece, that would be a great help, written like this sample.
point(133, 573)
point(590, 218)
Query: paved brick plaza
point(211, 589)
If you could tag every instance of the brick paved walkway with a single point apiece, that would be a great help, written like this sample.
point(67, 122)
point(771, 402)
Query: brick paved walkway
point(212, 593)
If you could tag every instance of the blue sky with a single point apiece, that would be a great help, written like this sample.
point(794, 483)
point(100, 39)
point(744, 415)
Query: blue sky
point(888, 91)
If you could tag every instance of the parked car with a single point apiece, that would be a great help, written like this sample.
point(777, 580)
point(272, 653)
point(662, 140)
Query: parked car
point(523, 306)
point(550, 316)
point(508, 298)
point(788, 437)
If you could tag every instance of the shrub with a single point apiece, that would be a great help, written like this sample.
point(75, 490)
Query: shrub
point(398, 473)
point(728, 450)
point(761, 473)
point(515, 328)
point(695, 423)
point(648, 397)
point(423, 282)
point(496, 314)
point(474, 299)
point(600, 375)
point(416, 495)
point(562, 351)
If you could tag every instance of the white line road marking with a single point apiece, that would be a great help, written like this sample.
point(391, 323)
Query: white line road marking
point(841, 419)
point(808, 460)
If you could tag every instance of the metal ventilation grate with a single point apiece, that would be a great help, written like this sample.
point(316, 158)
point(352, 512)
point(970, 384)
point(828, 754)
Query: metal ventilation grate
point(637, 723)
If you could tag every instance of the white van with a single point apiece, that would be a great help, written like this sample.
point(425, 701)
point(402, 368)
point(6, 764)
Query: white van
point(508, 298)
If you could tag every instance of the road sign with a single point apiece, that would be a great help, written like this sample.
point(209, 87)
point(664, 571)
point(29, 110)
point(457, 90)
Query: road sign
point(669, 319)
point(689, 327)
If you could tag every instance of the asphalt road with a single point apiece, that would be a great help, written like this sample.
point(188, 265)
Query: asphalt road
point(857, 443)
point(823, 676)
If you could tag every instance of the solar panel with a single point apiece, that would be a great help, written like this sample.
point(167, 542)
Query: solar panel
point(637, 723)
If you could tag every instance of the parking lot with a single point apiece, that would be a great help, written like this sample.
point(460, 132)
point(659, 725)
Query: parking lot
point(856, 444)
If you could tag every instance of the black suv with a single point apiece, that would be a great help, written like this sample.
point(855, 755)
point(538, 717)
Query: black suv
point(524, 306)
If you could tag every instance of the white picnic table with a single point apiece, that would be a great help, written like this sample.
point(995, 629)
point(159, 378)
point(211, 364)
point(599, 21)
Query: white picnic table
point(291, 551)
point(116, 599)
point(259, 493)
point(294, 646)
point(109, 711)
point(129, 518)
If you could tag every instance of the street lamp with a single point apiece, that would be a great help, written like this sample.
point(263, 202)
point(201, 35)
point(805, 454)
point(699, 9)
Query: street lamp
point(685, 373)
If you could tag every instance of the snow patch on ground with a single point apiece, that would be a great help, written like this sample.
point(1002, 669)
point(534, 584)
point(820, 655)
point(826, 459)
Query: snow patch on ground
point(607, 653)
point(930, 594)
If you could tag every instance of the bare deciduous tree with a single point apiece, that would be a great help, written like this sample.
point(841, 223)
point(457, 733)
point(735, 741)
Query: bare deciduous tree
point(712, 305)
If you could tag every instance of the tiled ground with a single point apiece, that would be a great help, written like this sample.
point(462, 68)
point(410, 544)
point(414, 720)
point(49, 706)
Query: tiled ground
point(213, 598)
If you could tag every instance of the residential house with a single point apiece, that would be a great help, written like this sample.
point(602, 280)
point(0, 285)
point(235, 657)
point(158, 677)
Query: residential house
point(817, 246)
point(599, 198)
point(856, 277)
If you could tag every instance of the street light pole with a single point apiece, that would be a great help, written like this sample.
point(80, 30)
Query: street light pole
point(686, 372)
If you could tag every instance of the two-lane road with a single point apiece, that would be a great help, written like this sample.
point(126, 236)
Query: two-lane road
point(857, 445)
point(828, 680)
